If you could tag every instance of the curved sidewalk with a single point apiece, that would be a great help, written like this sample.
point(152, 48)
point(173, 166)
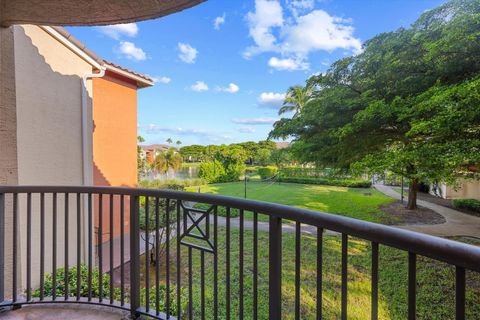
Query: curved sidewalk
point(457, 223)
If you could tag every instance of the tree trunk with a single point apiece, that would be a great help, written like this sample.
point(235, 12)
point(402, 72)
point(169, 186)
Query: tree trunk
point(412, 194)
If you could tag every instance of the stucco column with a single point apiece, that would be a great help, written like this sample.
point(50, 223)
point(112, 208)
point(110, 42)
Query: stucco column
point(8, 139)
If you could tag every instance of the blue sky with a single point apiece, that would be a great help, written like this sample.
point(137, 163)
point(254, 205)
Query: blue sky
point(222, 67)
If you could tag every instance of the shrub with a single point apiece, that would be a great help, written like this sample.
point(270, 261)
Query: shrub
point(211, 171)
point(172, 184)
point(469, 204)
point(215, 171)
point(329, 182)
point(72, 288)
point(267, 172)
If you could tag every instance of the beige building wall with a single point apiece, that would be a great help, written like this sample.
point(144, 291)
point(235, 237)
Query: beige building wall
point(49, 133)
point(468, 189)
point(8, 135)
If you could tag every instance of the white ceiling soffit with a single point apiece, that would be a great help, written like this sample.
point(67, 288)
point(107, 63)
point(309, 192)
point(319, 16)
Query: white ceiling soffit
point(87, 12)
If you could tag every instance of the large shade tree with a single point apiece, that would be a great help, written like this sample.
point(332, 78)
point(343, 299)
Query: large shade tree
point(409, 103)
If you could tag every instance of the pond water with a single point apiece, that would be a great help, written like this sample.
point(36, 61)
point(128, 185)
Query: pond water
point(185, 172)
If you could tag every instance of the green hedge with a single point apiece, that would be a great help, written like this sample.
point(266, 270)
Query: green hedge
point(221, 211)
point(329, 182)
point(469, 204)
point(267, 172)
point(72, 288)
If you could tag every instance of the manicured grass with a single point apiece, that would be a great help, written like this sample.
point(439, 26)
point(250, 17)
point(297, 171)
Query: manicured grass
point(358, 203)
point(435, 290)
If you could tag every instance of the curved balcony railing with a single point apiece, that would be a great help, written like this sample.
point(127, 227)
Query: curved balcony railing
point(143, 242)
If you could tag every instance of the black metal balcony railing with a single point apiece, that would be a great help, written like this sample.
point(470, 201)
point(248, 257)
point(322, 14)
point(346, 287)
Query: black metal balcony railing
point(195, 229)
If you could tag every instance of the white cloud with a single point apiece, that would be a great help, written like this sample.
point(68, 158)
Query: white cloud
point(188, 54)
point(218, 22)
point(288, 64)
point(268, 14)
point(294, 36)
point(246, 130)
point(164, 80)
point(319, 31)
point(271, 99)
point(232, 88)
point(199, 86)
point(118, 30)
point(131, 51)
point(254, 121)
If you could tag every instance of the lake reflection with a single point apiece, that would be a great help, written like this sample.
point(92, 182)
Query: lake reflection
point(190, 172)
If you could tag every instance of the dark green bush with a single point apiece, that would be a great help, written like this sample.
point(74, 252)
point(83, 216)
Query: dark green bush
point(215, 171)
point(267, 172)
point(72, 288)
point(329, 182)
point(469, 204)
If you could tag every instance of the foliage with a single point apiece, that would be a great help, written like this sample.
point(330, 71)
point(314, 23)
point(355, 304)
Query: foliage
point(267, 172)
point(141, 161)
point(408, 103)
point(280, 157)
point(329, 182)
point(173, 184)
point(211, 171)
point(95, 289)
point(165, 161)
point(296, 99)
point(263, 156)
point(192, 153)
point(309, 172)
point(469, 204)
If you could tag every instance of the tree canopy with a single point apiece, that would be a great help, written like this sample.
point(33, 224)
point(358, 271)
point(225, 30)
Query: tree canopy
point(409, 103)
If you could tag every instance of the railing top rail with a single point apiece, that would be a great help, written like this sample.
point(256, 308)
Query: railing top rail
point(452, 252)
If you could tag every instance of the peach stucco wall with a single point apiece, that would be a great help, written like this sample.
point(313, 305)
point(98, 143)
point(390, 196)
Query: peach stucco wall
point(114, 143)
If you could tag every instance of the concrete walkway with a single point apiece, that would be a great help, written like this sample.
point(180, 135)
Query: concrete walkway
point(457, 223)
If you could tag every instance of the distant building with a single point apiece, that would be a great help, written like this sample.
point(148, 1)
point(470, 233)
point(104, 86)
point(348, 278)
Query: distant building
point(149, 152)
point(282, 145)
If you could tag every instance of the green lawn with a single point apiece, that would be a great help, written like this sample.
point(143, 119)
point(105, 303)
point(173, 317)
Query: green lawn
point(435, 280)
point(351, 202)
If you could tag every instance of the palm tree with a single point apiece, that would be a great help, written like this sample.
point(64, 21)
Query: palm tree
point(296, 99)
point(178, 143)
point(164, 161)
point(169, 140)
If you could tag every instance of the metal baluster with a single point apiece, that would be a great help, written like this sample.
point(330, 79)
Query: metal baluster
point(42, 246)
point(157, 257)
point(179, 265)
point(412, 285)
point(29, 246)
point(459, 293)
point(134, 256)
point(344, 275)
point(275, 268)
point(66, 246)
point(374, 280)
point(122, 250)
point(147, 254)
point(202, 283)
point(54, 251)
point(79, 241)
point(297, 269)
point(240, 262)
point(111, 247)
point(14, 262)
point(190, 280)
point(2, 247)
point(167, 263)
point(255, 265)
point(90, 246)
point(215, 263)
point(319, 272)
point(100, 247)
point(227, 266)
